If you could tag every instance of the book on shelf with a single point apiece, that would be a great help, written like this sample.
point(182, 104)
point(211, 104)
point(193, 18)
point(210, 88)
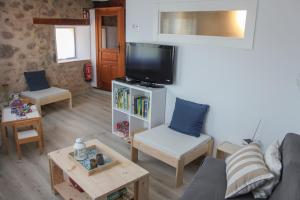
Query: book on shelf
point(122, 98)
point(141, 106)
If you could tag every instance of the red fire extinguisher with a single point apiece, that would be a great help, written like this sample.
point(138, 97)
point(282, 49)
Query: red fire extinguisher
point(87, 70)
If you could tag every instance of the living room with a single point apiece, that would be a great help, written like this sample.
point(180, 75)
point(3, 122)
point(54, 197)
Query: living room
point(244, 86)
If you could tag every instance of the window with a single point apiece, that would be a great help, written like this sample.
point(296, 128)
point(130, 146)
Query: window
point(229, 23)
point(73, 43)
point(65, 43)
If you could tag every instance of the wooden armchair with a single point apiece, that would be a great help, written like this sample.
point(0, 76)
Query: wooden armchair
point(171, 147)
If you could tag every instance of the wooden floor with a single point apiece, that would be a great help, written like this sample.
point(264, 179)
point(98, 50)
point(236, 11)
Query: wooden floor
point(90, 118)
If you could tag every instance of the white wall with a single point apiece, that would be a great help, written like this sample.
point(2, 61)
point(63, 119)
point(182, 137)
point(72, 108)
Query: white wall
point(241, 86)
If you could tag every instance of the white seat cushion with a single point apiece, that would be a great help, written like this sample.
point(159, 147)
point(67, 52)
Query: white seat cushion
point(27, 134)
point(46, 96)
point(49, 92)
point(171, 142)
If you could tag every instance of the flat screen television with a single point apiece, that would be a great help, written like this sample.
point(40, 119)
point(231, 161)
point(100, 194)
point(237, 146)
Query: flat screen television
point(150, 63)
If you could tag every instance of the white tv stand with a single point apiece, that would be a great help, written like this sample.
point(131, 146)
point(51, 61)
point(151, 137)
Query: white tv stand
point(156, 112)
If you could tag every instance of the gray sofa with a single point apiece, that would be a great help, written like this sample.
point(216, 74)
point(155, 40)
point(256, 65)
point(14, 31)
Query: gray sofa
point(210, 181)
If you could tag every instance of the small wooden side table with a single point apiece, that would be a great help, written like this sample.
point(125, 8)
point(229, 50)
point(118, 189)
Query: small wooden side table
point(226, 149)
point(9, 119)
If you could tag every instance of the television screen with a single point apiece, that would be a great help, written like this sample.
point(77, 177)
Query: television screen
point(151, 63)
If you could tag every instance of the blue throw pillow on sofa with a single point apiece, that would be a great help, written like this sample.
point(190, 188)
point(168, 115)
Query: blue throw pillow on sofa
point(188, 117)
point(36, 80)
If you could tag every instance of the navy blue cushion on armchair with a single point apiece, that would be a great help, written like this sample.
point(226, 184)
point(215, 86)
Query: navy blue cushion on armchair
point(188, 117)
point(36, 80)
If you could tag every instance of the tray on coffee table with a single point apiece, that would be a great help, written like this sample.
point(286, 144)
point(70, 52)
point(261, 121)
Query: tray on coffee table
point(92, 151)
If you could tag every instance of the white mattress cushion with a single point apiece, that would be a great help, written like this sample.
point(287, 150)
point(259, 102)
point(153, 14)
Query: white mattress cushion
point(27, 134)
point(170, 141)
point(49, 92)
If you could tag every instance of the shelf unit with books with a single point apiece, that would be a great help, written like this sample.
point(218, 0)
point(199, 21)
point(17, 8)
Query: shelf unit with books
point(136, 108)
point(121, 100)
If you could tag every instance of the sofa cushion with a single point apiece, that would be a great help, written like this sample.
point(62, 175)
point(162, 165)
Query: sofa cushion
point(36, 80)
point(171, 142)
point(288, 188)
point(209, 183)
point(246, 170)
point(188, 117)
point(42, 95)
point(273, 162)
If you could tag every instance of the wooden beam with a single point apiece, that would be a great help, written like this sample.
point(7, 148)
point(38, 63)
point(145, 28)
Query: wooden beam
point(111, 3)
point(61, 21)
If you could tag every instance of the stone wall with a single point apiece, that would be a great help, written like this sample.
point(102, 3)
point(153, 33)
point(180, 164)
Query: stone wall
point(25, 46)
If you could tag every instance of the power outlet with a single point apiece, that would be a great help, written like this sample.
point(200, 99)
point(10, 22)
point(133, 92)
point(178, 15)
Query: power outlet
point(136, 27)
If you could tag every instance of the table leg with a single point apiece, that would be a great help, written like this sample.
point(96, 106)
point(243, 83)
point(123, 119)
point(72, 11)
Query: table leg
point(134, 153)
point(39, 108)
point(42, 133)
point(220, 155)
point(141, 188)
point(179, 173)
point(70, 103)
point(56, 175)
point(4, 138)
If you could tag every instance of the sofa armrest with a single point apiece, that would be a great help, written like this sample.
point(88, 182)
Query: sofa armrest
point(209, 182)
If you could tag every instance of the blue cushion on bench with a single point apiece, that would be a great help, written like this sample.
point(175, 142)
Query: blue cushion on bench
point(36, 80)
point(188, 117)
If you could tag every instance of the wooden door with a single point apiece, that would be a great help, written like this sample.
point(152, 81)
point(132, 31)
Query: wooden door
point(110, 38)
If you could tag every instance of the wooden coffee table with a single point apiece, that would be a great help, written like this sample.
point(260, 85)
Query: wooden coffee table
point(101, 184)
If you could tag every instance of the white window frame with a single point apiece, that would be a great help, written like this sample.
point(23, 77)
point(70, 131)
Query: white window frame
point(75, 45)
point(207, 5)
